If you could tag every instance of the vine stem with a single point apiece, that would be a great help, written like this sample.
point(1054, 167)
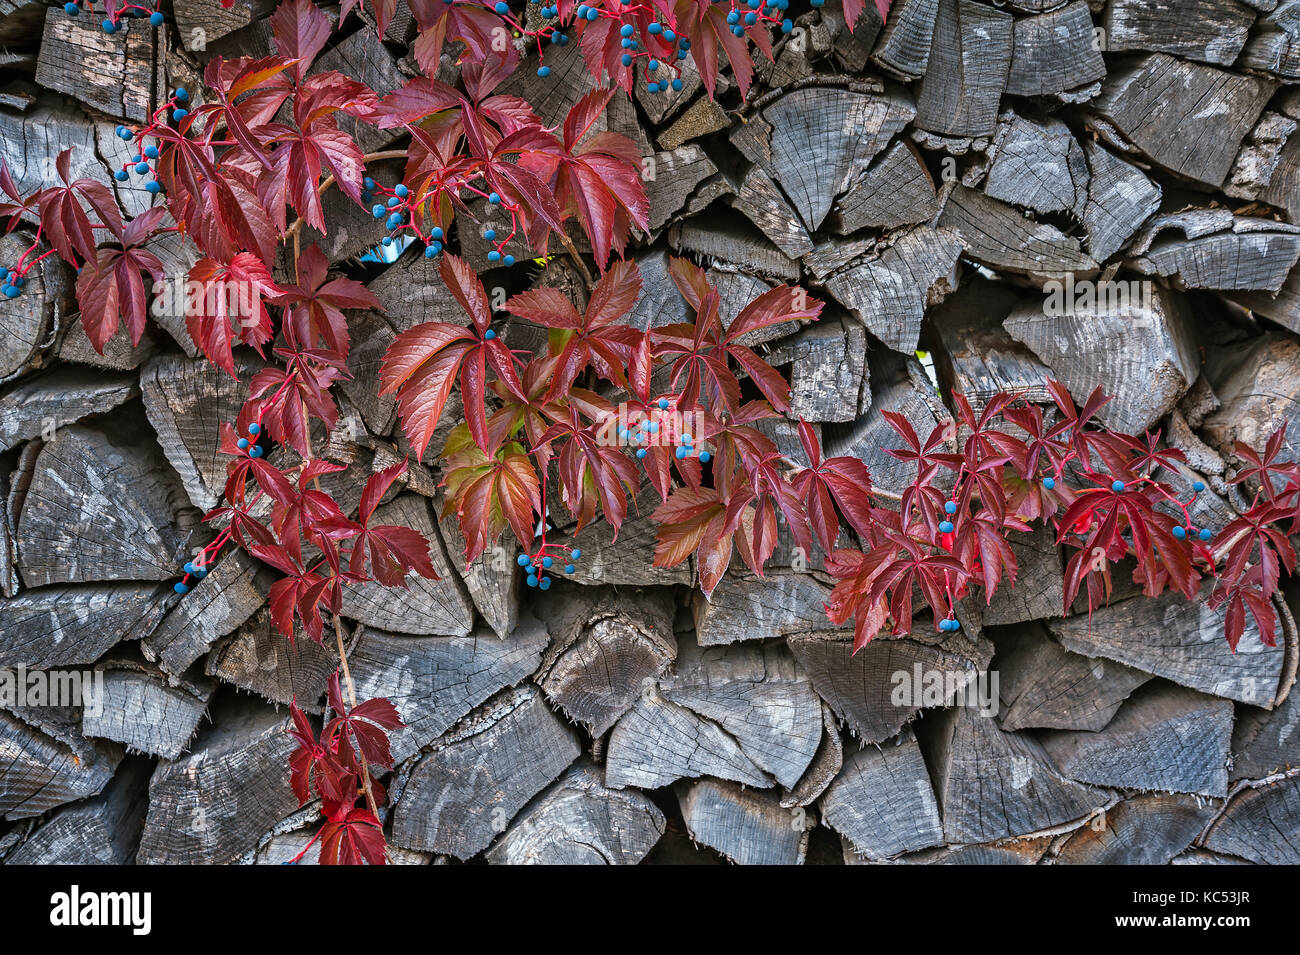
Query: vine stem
point(296, 227)
point(352, 702)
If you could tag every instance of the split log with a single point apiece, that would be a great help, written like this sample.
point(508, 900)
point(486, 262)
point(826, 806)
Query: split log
point(371, 336)
point(702, 117)
point(828, 370)
point(28, 320)
point(361, 57)
point(1038, 165)
point(814, 140)
point(1039, 590)
point(749, 828)
point(660, 107)
point(236, 586)
point(732, 238)
point(607, 648)
point(1211, 31)
point(670, 179)
point(879, 689)
point(1261, 824)
point(1163, 737)
point(102, 830)
point(212, 806)
point(178, 255)
point(992, 784)
point(1133, 340)
point(436, 681)
point(1120, 199)
point(61, 626)
point(757, 695)
point(1218, 251)
point(1144, 830)
point(424, 606)
point(1266, 166)
point(752, 608)
point(1055, 54)
point(140, 709)
point(1258, 385)
point(100, 507)
point(824, 767)
point(1005, 852)
point(1265, 742)
point(1201, 857)
point(904, 44)
point(1180, 640)
point(967, 73)
point(975, 356)
point(630, 559)
point(759, 198)
point(353, 231)
point(493, 580)
point(554, 95)
point(411, 291)
point(578, 821)
point(1042, 685)
point(658, 303)
point(473, 780)
point(113, 73)
point(200, 22)
point(42, 770)
point(900, 385)
point(258, 658)
point(1187, 117)
point(119, 354)
point(187, 401)
point(39, 406)
point(882, 802)
point(895, 190)
point(1000, 236)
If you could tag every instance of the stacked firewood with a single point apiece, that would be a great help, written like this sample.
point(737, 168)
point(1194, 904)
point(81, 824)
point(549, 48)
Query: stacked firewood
point(986, 195)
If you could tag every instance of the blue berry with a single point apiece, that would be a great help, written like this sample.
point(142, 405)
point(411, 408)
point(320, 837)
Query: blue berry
point(681, 453)
point(684, 43)
point(945, 527)
point(242, 444)
point(437, 233)
point(1206, 533)
point(626, 30)
point(121, 175)
point(489, 335)
point(153, 186)
point(532, 580)
point(394, 220)
point(189, 567)
point(545, 582)
point(625, 43)
point(1049, 483)
point(568, 568)
point(949, 507)
point(151, 152)
point(509, 260)
point(652, 65)
point(502, 9)
point(155, 19)
point(543, 71)
point(393, 201)
point(733, 18)
point(200, 572)
point(787, 25)
point(125, 134)
point(592, 13)
point(71, 9)
point(254, 452)
point(627, 59)
point(181, 93)
point(494, 199)
point(180, 588)
point(432, 250)
point(12, 291)
point(547, 562)
point(738, 30)
point(677, 84)
point(523, 560)
point(704, 457)
point(489, 234)
point(686, 440)
point(368, 183)
point(1198, 486)
point(178, 114)
point(575, 553)
point(582, 11)
point(817, 3)
point(670, 36)
point(1180, 532)
point(377, 211)
point(751, 19)
point(655, 28)
point(663, 404)
point(640, 452)
point(494, 256)
point(1117, 486)
point(4, 274)
point(142, 168)
point(111, 27)
point(254, 428)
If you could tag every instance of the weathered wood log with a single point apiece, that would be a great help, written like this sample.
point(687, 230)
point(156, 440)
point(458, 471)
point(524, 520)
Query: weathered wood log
point(670, 178)
point(1143, 830)
point(759, 198)
point(629, 559)
point(752, 608)
point(352, 229)
point(732, 238)
point(554, 95)
point(1211, 31)
point(1201, 857)
point(101, 507)
point(702, 117)
point(1042, 685)
point(1163, 737)
point(119, 354)
point(178, 255)
point(436, 681)
point(1261, 823)
point(362, 58)
point(424, 606)
point(38, 406)
point(1180, 640)
point(1265, 168)
point(1004, 852)
point(967, 72)
point(51, 765)
point(607, 648)
point(200, 22)
point(28, 320)
point(1274, 47)
point(60, 626)
point(1120, 199)
point(814, 140)
point(258, 658)
point(992, 784)
point(142, 710)
point(895, 190)
point(1258, 385)
point(1038, 165)
point(1039, 589)
point(748, 827)
point(879, 689)
point(828, 370)
point(1055, 54)
point(1000, 236)
point(904, 44)
point(471, 782)
point(1265, 742)
point(233, 590)
point(493, 580)
point(212, 805)
point(1131, 339)
point(116, 74)
point(824, 767)
point(1218, 251)
point(578, 821)
point(1187, 117)
point(882, 802)
point(102, 830)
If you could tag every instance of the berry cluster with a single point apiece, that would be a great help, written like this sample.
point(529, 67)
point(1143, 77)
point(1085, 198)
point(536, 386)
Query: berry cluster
point(398, 208)
point(662, 430)
point(12, 280)
point(139, 163)
point(114, 18)
point(536, 565)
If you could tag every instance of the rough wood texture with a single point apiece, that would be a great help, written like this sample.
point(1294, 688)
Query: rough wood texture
point(102, 830)
point(967, 73)
point(828, 370)
point(896, 189)
point(1163, 737)
point(145, 713)
point(114, 73)
point(904, 44)
point(1261, 824)
point(747, 608)
point(102, 506)
point(607, 648)
point(435, 681)
point(1265, 742)
point(1043, 685)
point(1038, 165)
point(258, 658)
point(882, 802)
point(1258, 385)
point(1120, 199)
point(474, 779)
point(493, 581)
point(38, 406)
point(41, 770)
point(1000, 236)
point(212, 805)
point(1179, 640)
point(748, 827)
point(1212, 31)
point(1039, 590)
point(1144, 830)
point(578, 821)
point(59, 626)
